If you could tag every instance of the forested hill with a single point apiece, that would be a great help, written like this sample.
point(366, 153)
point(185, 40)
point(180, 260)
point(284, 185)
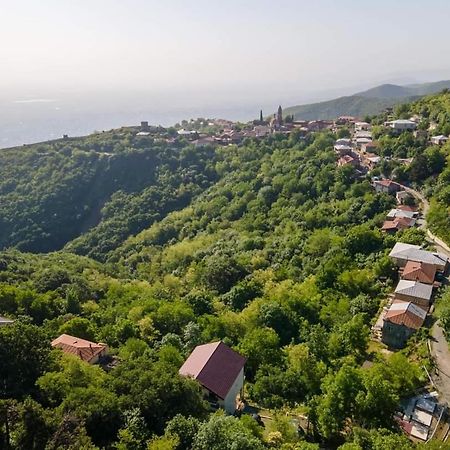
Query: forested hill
point(107, 186)
point(267, 246)
point(367, 103)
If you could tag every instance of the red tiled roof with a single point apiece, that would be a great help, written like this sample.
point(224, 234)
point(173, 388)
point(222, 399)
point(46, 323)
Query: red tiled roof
point(405, 313)
point(387, 183)
point(419, 271)
point(85, 350)
point(215, 366)
point(399, 223)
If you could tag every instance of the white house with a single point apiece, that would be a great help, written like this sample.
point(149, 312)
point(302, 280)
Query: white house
point(343, 149)
point(262, 130)
point(439, 140)
point(220, 372)
point(362, 126)
point(402, 125)
point(5, 321)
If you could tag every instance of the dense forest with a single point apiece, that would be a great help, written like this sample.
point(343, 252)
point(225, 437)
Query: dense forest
point(156, 246)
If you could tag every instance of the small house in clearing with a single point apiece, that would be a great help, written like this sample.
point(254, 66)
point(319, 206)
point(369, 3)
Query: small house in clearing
point(220, 372)
point(402, 197)
point(4, 321)
point(400, 322)
point(439, 140)
point(343, 149)
point(347, 160)
point(89, 352)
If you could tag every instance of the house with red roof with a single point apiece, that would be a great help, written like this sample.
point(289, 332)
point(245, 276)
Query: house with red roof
point(400, 322)
point(386, 186)
point(89, 352)
point(347, 160)
point(419, 271)
point(397, 224)
point(220, 372)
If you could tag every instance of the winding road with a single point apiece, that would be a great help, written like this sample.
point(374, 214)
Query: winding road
point(438, 343)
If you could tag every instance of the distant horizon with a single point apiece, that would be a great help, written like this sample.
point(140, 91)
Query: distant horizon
point(33, 119)
point(74, 67)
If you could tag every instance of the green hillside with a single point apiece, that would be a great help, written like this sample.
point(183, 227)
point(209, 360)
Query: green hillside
point(267, 246)
point(104, 187)
point(354, 105)
point(367, 103)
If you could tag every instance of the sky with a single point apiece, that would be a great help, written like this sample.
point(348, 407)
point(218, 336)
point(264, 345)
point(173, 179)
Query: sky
point(241, 46)
point(104, 63)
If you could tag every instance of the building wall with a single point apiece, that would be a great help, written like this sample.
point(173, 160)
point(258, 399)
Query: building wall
point(97, 357)
point(400, 262)
point(415, 300)
point(395, 335)
point(230, 399)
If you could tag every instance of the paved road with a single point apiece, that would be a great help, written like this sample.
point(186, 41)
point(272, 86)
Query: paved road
point(441, 355)
point(439, 345)
point(440, 244)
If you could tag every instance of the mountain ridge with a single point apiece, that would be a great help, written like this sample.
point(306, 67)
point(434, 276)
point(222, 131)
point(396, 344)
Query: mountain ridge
point(369, 102)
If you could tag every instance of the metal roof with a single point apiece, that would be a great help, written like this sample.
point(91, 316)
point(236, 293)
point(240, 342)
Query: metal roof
point(415, 253)
point(215, 366)
point(5, 321)
point(401, 213)
point(414, 289)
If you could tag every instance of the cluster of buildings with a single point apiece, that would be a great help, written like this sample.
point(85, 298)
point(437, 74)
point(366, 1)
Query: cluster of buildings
point(420, 416)
point(359, 150)
point(228, 132)
point(403, 216)
point(217, 368)
point(234, 133)
point(409, 305)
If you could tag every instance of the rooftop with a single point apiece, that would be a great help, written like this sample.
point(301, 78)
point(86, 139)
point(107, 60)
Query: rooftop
point(215, 366)
point(419, 271)
point(416, 253)
point(397, 212)
point(406, 313)
point(86, 350)
point(414, 289)
point(5, 321)
point(398, 223)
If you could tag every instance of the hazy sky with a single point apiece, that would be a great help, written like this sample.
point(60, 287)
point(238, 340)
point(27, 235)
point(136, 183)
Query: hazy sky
point(241, 48)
